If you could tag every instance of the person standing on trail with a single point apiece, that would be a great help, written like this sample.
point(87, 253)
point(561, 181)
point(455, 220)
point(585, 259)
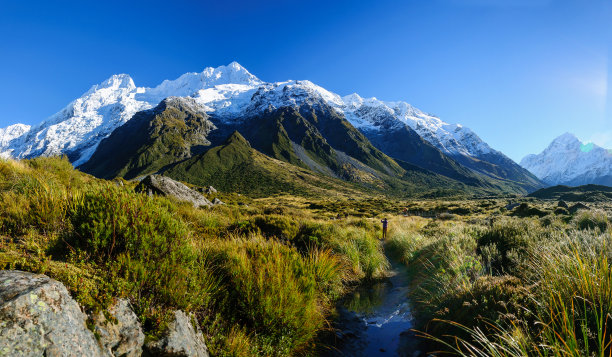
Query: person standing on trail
point(384, 223)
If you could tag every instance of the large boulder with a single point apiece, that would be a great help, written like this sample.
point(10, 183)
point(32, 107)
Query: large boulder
point(165, 186)
point(39, 318)
point(181, 339)
point(119, 330)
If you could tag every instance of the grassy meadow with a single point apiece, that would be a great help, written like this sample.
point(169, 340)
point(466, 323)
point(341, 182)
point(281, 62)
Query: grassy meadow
point(262, 275)
point(507, 284)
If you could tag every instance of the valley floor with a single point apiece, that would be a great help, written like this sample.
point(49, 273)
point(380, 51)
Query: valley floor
point(282, 275)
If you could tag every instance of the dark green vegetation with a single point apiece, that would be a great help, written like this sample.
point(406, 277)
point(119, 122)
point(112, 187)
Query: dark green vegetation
point(152, 139)
point(236, 167)
point(318, 138)
point(262, 274)
point(585, 193)
point(527, 282)
point(260, 278)
point(305, 151)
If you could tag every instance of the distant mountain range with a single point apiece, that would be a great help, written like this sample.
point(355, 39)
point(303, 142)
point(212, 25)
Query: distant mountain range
point(568, 161)
point(118, 129)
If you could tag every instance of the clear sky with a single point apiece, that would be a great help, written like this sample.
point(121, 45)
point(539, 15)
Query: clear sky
point(518, 72)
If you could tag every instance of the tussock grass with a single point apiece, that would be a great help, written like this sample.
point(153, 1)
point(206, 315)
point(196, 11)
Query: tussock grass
point(512, 286)
point(261, 279)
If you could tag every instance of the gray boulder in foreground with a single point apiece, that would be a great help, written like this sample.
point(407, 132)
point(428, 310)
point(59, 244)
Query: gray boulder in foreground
point(120, 334)
point(165, 186)
point(181, 339)
point(39, 318)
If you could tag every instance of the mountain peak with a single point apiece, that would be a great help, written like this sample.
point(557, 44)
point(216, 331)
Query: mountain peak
point(116, 81)
point(236, 138)
point(566, 138)
point(233, 73)
point(569, 161)
point(566, 141)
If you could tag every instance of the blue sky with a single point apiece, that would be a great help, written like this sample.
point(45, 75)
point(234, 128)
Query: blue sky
point(518, 72)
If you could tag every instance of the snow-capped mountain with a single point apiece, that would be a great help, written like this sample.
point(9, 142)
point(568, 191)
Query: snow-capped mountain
point(10, 133)
point(229, 93)
point(374, 114)
point(568, 161)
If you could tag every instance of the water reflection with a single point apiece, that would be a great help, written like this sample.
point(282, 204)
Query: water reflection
point(375, 320)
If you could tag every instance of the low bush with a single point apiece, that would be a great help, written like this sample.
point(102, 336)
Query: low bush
point(591, 219)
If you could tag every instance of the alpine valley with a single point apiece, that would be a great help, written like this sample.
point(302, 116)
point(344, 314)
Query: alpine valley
point(226, 127)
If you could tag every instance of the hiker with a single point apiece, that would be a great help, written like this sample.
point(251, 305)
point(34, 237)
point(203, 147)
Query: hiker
point(384, 223)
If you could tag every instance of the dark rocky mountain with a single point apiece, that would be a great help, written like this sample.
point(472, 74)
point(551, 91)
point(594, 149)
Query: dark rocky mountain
point(173, 131)
point(291, 148)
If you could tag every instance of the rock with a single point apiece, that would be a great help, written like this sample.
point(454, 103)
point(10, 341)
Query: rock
point(182, 339)
point(39, 318)
point(577, 207)
point(165, 186)
point(511, 205)
point(210, 190)
point(121, 335)
point(562, 204)
point(217, 202)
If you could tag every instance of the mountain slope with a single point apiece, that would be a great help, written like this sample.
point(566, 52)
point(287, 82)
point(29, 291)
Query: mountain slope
point(162, 138)
point(392, 122)
point(232, 95)
point(319, 138)
point(235, 166)
point(584, 193)
point(152, 139)
point(568, 161)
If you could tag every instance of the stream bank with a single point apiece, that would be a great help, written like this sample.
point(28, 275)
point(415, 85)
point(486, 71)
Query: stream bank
point(376, 319)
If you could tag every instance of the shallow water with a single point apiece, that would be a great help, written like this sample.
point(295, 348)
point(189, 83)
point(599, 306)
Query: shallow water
point(375, 320)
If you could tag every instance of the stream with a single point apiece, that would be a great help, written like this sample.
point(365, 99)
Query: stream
point(375, 320)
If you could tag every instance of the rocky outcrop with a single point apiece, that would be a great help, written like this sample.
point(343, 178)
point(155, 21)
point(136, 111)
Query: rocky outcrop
point(217, 202)
point(181, 339)
point(165, 186)
point(39, 318)
point(119, 330)
point(210, 190)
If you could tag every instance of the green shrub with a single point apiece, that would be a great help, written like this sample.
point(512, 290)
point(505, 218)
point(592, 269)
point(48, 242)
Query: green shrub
point(516, 235)
point(591, 219)
point(524, 210)
point(360, 249)
point(270, 289)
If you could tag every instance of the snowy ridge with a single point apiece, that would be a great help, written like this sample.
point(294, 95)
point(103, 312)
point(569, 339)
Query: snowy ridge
point(569, 161)
point(9, 134)
point(230, 93)
point(374, 114)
